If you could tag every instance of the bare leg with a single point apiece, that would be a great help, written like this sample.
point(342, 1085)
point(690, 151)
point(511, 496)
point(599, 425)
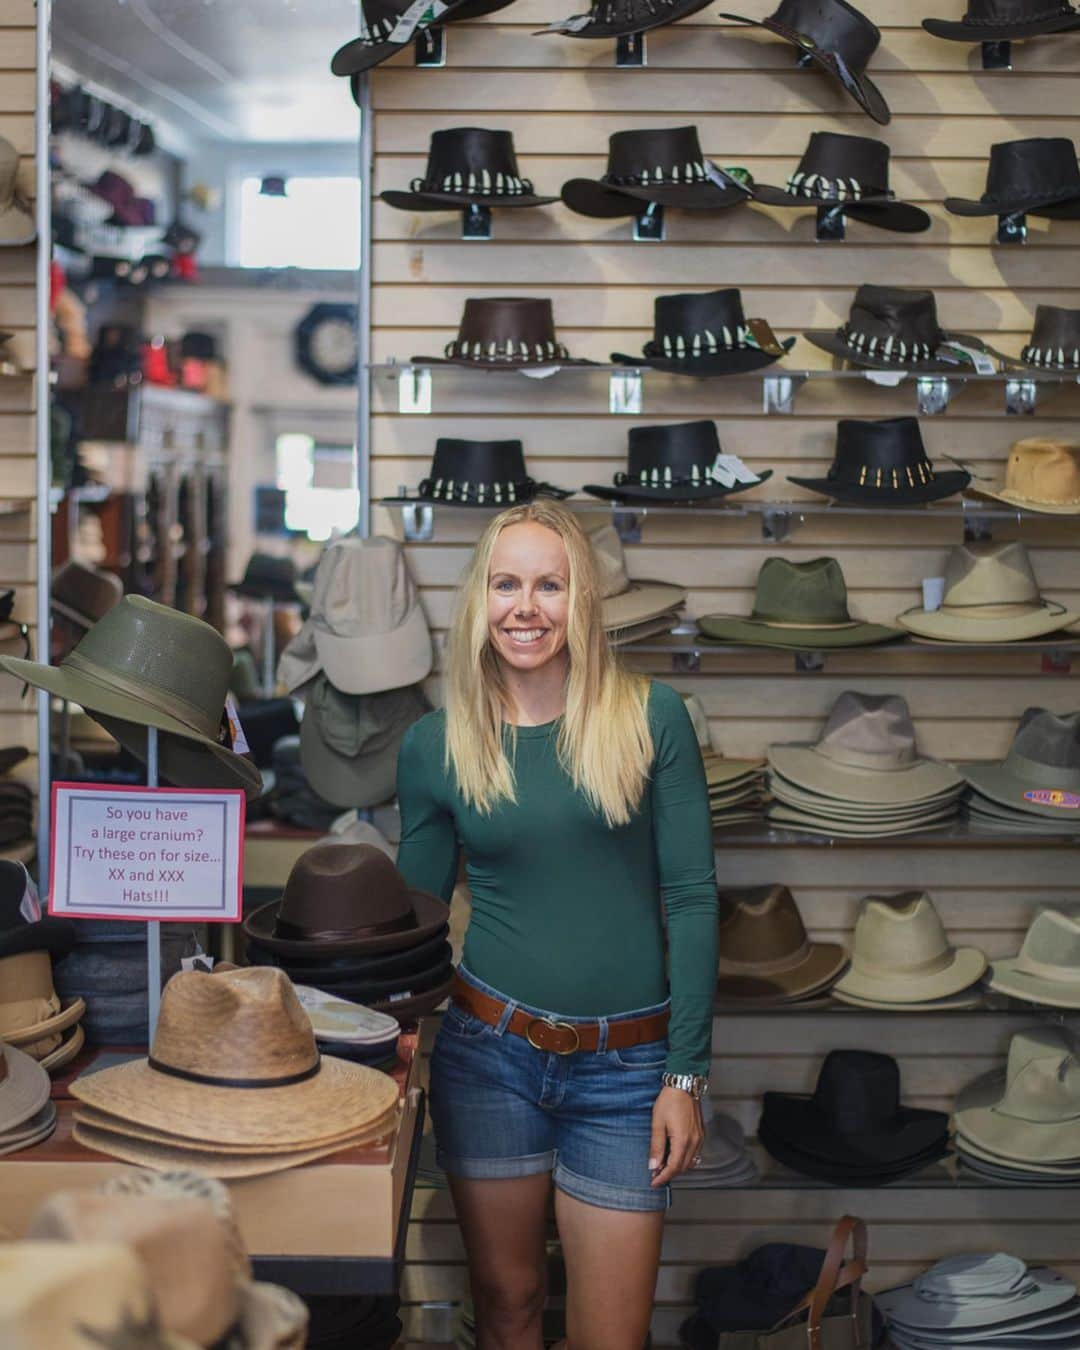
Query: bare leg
point(503, 1223)
point(612, 1257)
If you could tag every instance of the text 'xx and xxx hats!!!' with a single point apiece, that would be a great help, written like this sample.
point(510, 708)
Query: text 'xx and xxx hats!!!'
point(488, 474)
point(1038, 177)
point(1006, 20)
point(707, 333)
point(896, 328)
point(883, 463)
point(468, 166)
point(674, 463)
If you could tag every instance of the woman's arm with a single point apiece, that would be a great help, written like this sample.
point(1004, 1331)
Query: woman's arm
point(428, 853)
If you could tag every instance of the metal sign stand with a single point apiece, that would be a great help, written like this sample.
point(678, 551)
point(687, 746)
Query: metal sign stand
point(153, 927)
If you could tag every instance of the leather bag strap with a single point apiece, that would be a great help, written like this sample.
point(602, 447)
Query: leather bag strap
point(836, 1274)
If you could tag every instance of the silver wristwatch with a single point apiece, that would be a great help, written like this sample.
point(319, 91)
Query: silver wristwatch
point(695, 1083)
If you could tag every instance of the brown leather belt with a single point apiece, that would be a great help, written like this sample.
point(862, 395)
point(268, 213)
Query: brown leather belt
point(559, 1038)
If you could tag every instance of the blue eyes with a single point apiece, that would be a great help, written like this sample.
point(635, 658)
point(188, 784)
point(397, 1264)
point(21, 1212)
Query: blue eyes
point(510, 586)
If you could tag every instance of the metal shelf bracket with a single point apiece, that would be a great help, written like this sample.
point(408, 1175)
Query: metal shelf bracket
point(627, 525)
point(778, 393)
point(831, 224)
point(686, 663)
point(1021, 397)
point(414, 390)
point(932, 394)
point(476, 222)
point(417, 521)
point(776, 525)
point(625, 392)
point(429, 47)
point(997, 55)
point(809, 661)
point(630, 50)
point(1012, 229)
point(649, 226)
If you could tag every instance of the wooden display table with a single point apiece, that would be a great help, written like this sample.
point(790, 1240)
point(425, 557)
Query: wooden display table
point(335, 1226)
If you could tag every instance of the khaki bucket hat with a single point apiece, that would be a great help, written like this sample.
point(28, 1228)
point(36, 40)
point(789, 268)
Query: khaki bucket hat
point(1047, 968)
point(991, 595)
point(1040, 475)
point(902, 955)
point(1041, 773)
point(1031, 1111)
point(866, 753)
point(766, 955)
point(626, 602)
point(146, 665)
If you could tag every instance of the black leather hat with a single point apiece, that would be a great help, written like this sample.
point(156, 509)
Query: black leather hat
point(673, 463)
point(479, 473)
point(468, 166)
point(1003, 20)
point(663, 165)
point(883, 463)
point(848, 171)
point(837, 37)
point(381, 36)
point(895, 328)
point(268, 578)
point(616, 18)
point(1054, 343)
point(1039, 176)
point(706, 333)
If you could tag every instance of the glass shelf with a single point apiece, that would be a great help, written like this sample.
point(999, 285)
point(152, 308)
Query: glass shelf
point(957, 834)
point(989, 1003)
point(691, 646)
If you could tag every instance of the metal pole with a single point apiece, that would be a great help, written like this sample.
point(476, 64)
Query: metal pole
point(268, 676)
point(363, 400)
point(153, 928)
point(43, 482)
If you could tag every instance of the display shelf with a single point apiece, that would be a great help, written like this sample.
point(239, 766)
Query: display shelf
point(989, 1003)
point(956, 834)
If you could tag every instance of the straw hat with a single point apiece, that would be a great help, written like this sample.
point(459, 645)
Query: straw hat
point(626, 602)
point(901, 954)
point(234, 1060)
point(1040, 475)
point(1047, 968)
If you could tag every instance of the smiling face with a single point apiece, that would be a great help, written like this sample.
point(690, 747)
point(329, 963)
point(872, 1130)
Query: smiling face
point(528, 595)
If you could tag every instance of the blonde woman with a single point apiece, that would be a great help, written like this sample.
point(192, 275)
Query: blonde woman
point(576, 792)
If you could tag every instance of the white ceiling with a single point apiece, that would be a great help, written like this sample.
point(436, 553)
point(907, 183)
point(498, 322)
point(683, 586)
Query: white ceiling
point(230, 70)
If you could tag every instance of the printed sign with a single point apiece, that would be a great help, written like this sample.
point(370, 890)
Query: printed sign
point(146, 853)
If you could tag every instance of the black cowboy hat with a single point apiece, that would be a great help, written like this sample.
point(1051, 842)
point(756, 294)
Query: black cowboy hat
point(883, 463)
point(835, 35)
point(788, 1153)
point(380, 18)
point(329, 972)
point(847, 171)
point(268, 578)
point(1004, 20)
point(896, 328)
point(479, 473)
point(1039, 177)
point(17, 933)
point(618, 18)
point(674, 463)
point(505, 333)
point(372, 990)
point(706, 333)
point(665, 166)
point(1054, 343)
point(468, 166)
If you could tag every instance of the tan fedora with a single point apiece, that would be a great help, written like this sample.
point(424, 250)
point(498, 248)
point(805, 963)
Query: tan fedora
point(991, 595)
point(1031, 1111)
point(765, 954)
point(234, 1060)
point(1041, 474)
point(866, 753)
point(1047, 968)
point(31, 1013)
point(901, 954)
point(626, 602)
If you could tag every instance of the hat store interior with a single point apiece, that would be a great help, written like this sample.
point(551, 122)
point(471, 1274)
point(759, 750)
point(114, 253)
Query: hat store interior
point(785, 306)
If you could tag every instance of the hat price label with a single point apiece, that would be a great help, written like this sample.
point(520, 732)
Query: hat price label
point(147, 853)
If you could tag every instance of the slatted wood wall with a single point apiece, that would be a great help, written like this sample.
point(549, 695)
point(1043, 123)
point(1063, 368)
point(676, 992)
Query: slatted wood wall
point(17, 394)
point(562, 99)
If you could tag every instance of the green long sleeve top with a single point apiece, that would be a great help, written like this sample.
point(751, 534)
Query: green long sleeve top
point(566, 911)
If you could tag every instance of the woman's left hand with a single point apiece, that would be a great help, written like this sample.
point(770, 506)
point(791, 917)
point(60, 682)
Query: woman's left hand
point(677, 1131)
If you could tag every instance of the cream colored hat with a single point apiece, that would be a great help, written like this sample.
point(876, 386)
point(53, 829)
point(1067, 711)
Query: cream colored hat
point(901, 953)
point(1030, 1112)
point(991, 595)
point(1047, 969)
point(626, 602)
point(1040, 475)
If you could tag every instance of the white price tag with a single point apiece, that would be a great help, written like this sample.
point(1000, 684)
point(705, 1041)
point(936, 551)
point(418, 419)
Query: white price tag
point(888, 379)
point(729, 470)
point(574, 25)
point(421, 13)
point(236, 730)
point(983, 363)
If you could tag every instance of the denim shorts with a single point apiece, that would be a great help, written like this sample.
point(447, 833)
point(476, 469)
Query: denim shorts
point(500, 1108)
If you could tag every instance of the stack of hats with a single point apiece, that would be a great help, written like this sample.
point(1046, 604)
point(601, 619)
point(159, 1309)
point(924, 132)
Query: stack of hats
point(631, 610)
point(16, 800)
point(902, 960)
point(863, 776)
point(766, 958)
point(1047, 968)
point(357, 663)
point(736, 786)
point(32, 1016)
point(27, 1116)
point(982, 1299)
point(349, 1030)
point(853, 1131)
point(348, 924)
point(1022, 1124)
point(1035, 789)
point(725, 1162)
point(189, 1103)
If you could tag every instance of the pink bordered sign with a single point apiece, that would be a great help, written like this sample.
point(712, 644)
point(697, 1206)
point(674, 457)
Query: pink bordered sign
point(147, 853)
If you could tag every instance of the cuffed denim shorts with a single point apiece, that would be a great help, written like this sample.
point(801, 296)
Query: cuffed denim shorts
point(501, 1108)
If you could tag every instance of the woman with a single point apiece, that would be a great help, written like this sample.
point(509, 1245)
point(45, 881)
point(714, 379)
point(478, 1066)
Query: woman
point(577, 793)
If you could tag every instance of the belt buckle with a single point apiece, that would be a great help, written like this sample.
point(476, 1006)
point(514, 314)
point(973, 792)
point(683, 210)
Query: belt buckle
point(555, 1026)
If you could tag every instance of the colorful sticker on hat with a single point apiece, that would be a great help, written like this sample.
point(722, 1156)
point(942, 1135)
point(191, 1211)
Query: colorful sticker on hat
point(1068, 801)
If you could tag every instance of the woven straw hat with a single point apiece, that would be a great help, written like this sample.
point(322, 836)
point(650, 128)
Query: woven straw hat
point(234, 1061)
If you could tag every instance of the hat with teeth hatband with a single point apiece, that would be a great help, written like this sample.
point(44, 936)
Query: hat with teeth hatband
point(684, 462)
point(468, 166)
point(896, 328)
point(707, 334)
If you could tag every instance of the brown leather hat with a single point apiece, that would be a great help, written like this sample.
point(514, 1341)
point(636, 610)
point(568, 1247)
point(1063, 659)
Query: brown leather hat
point(765, 954)
point(346, 898)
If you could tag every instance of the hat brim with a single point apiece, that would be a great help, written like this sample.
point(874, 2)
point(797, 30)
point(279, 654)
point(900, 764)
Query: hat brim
point(329, 974)
point(31, 1132)
point(806, 768)
point(799, 1121)
point(758, 633)
point(962, 1001)
point(682, 9)
point(956, 628)
point(372, 992)
point(604, 201)
point(642, 600)
point(376, 662)
point(16, 226)
point(1006, 978)
point(48, 934)
point(455, 201)
point(904, 1307)
point(954, 31)
point(838, 827)
point(11, 755)
point(812, 804)
point(967, 966)
point(678, 492)
point(885, 212)
point(661, 626)
point(66, 1051)
point(431, 916)
point(994, 779)
point(24, 1091)
point(999, 492)
point(410, 1009)
point(82, 621)
point(357, 55)
point(822, 964)
point(943, 485)
point(738, 361)
point(492, 504)
point(1055, 206)
point(719, 770)
point(71, 1010)
point(830, 341)
point(861, 88)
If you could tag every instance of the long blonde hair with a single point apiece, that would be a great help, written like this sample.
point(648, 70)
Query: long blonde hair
point(604, 743)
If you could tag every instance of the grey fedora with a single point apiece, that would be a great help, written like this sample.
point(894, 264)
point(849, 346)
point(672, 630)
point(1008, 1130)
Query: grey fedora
point(1041, 773)
point(83, 593)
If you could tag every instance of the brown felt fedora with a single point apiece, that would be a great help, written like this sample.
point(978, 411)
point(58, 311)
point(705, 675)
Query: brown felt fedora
point(346, 899)
point(766, 956)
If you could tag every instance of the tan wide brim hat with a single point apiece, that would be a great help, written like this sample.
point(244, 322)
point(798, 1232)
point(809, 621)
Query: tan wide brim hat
point(844, 829)
point(638, 632)
point(965, 1000)
point(987, 623)
point(30, 1132)
point(71, 1011)
point(807, 768)
point(820, 966)
point(966, 965)
point(24, 1088)
point(1005, 978)
point(998, 492)
point(1063, 1170)
point(719, 770)
point(642, 600)
point(978, 1118)
point(813, 803)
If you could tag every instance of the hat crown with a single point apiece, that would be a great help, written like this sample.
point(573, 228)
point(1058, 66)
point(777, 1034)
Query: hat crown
point(344, 891)
point(89, 591)
point(465, 150)
point(870, 731)
point(760, 925)
point(238, 1028)
point(688, 313)
point(1051, 946)
point(1042, 1077)
point(858, 1090)
point(27, 993)
point(1055, 326)
point(476, 462)
point(266, 569)
point(1049, 741)
point(507, 328)
point(899, 934)
point(865, 448)
point(363, 588)
point(635, 154)
point(1044, 471)
point(896, 311)
point(831, 155)
point(993, 12)
point(801, 593)
point(610, 561)
point(834, 26)
point(361, 724)
point(682, 448)
point(170, 661)
point(990, 574)
point(1031, 168)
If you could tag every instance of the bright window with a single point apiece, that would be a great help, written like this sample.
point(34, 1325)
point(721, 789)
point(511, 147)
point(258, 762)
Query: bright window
point(321, 499)
point(316, 224)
